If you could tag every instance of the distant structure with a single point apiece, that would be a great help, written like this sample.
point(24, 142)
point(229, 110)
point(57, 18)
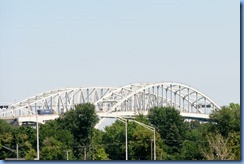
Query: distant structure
point(125, 101)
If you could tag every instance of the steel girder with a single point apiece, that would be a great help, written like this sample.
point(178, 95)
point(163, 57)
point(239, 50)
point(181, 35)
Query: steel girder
point(135, 98)
point(143, 96)
point(59, 101)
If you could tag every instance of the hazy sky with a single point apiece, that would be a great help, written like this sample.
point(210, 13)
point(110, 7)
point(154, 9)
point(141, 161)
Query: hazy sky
point(47, 45)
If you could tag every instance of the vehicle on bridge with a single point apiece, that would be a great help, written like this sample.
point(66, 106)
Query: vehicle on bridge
point(45, 111)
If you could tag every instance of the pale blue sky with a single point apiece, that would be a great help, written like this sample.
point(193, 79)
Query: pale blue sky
point(48, 45)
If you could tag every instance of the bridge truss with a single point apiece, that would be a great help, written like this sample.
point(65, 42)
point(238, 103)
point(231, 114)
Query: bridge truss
point(129, 100)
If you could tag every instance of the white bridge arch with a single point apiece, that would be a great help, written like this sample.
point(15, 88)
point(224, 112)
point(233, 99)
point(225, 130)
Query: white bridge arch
point(129, 100)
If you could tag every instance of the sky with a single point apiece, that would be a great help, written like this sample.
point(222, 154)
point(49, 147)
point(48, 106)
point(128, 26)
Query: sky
point(46, 45)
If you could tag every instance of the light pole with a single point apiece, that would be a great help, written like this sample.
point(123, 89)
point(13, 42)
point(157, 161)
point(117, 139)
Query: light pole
point(154, 134)
point(37, 138)
point(126, 134)
point(17, 151)
point(126, 140)
point(151, 149)
point(67, 154)
point(12, 150)
point(37, 134)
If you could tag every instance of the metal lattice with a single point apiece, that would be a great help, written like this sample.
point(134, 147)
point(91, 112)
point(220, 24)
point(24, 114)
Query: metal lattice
point(128, 100)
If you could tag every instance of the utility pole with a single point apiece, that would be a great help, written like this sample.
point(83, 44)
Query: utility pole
point(37, 138)
point(67, 154)
point(17, 151)
point(126, 140)
point(154, 136)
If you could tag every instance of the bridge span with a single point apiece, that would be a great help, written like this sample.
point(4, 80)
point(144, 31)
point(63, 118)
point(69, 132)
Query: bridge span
point(44, 118)
point(125, 101)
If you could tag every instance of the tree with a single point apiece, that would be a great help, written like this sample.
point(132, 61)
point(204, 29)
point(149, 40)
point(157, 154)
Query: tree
point(218, 148)
point(6, 139)
point(194, 141)
point(234, 144)
point(6, 127)
point(53, 129)
point(100, 154)
point(52, 150)
point(80, 121)
point(170, 124)
point(143, 119)
point(114, 140)
point(142, 140)
point(25, 137)
point(53, 132)
point(96, 149)
point(31, 154)
point(226, 120)
point(142, 143)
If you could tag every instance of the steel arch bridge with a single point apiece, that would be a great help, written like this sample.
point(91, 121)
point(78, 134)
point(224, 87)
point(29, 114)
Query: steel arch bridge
point(125, 101)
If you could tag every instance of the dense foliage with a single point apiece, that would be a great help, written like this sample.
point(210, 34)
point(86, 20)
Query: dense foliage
point(73, 136)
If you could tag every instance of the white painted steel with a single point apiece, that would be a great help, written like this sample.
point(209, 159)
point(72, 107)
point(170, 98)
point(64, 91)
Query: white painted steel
point(129, 100)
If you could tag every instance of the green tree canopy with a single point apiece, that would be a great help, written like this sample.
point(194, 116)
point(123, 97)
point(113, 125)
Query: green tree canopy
point(227, 119)
point(114, 140)
point(170, 124)
point(81, 122)
point(52, 150)
point(6, 139)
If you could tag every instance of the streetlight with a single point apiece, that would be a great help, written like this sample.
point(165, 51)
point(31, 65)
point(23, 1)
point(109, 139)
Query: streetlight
point(67, 154)
point(151, 149)
point(37, 133)
point(126, 135)
point(126, 140)
point(14, 151)
point(37, 138)
point(154, 134)
point(17, 151)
